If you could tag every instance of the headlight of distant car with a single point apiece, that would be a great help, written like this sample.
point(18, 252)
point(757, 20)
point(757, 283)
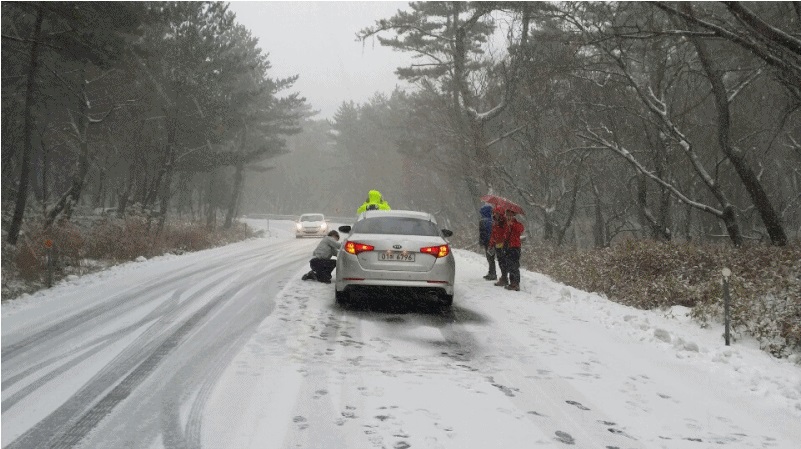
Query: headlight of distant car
point(299, 226)
point(324, 226)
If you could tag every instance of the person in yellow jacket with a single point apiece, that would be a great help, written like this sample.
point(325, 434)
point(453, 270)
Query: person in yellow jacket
point(374, 202)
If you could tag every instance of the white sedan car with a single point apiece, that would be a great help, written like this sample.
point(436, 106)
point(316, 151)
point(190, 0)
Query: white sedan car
point(396, 249)
point(311, 225)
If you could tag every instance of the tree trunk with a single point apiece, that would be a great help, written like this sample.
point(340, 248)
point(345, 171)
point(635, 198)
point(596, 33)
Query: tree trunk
point(168, 170)
point(45, 176)
point(211, 211)
point(238, 177)
point(658, 231)
point(599, 226)
point(688, 224)
point(548, 230)
point(22, 190)
point(571, 213)
point(126, 196)
point(665, 216)
point(100, 196)
point(730, 221)
point(760, 200)
point(70, 198)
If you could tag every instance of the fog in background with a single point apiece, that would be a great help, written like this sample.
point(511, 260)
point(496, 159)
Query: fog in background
point(317, 40)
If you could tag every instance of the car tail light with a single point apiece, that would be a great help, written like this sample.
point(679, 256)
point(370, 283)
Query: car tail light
point(436, 251)
point(356, 247)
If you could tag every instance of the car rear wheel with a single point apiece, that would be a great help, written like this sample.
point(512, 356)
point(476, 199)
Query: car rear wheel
point(342, 297)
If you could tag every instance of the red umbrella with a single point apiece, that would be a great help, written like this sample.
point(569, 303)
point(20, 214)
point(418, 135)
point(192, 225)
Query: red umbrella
point(503, 203)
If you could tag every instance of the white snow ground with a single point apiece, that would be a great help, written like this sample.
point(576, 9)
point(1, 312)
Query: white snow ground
point(228, 348)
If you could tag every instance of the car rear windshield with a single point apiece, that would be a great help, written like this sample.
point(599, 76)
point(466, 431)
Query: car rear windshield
point(311, 218)
point(396, 225)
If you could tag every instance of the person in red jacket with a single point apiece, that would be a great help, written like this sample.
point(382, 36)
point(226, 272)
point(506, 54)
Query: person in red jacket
point(512, 250)
point(496, 242)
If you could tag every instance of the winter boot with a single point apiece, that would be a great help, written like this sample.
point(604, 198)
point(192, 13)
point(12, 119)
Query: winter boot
point(490, 276)
point(502, 282)
point(304, 277)
point(515, 287)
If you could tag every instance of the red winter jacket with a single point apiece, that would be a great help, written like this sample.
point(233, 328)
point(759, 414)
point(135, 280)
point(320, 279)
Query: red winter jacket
point(514, 233)
point(499, 230)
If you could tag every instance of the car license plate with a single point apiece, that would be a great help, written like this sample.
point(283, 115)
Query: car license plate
point(393, 256)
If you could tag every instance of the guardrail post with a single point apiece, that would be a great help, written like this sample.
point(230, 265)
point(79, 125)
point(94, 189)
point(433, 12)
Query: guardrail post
point(726, 305)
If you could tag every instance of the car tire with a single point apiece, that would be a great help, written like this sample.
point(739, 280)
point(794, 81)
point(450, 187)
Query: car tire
point(446, 300)
point(342, 297)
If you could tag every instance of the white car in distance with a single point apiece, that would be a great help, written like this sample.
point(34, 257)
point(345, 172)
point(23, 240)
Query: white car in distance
point(311, 225)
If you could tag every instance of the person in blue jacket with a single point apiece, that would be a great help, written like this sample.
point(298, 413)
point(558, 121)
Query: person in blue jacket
point(484, 232)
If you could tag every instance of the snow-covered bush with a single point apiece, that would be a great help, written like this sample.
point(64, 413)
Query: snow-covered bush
point(96, 242)
point(765, 285)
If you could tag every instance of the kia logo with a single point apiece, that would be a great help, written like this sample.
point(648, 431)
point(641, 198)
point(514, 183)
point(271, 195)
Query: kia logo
point(397, 246)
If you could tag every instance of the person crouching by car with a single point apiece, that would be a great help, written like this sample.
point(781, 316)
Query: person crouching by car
point(321, 264)
point(512, 250)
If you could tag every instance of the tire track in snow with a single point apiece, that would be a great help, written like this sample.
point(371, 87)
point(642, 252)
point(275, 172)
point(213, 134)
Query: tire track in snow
point(133, 297)
point(193, 372)
point(48, 428)
point(86, 351)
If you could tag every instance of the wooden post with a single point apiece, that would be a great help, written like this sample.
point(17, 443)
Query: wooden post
point(726, 305)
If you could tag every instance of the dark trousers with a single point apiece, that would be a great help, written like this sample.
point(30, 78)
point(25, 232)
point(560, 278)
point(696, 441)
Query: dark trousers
point(500, 253)
point(490, 253)
point(512, 256)
point(323, 268)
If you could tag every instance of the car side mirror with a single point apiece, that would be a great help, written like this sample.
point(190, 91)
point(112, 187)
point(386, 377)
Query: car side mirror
point(345, 229)
point(447, 232)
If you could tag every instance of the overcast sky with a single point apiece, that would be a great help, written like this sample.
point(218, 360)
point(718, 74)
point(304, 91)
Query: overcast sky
point(316, 40)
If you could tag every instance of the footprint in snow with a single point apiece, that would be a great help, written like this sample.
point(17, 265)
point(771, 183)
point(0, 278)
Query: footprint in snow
point(319, 393)
point(564, 437)
point(577, 404)
point(620, 432)
point(301, 422)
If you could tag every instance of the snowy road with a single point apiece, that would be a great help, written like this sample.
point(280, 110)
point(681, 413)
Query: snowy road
point(227, 348)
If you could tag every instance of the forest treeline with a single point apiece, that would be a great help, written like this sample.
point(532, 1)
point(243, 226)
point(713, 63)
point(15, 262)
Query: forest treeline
point(654, 120)
point(648, 119)
point(162, 105)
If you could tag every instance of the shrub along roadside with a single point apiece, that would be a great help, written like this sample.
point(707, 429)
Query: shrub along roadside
point(98, 244)
point(765, 285)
